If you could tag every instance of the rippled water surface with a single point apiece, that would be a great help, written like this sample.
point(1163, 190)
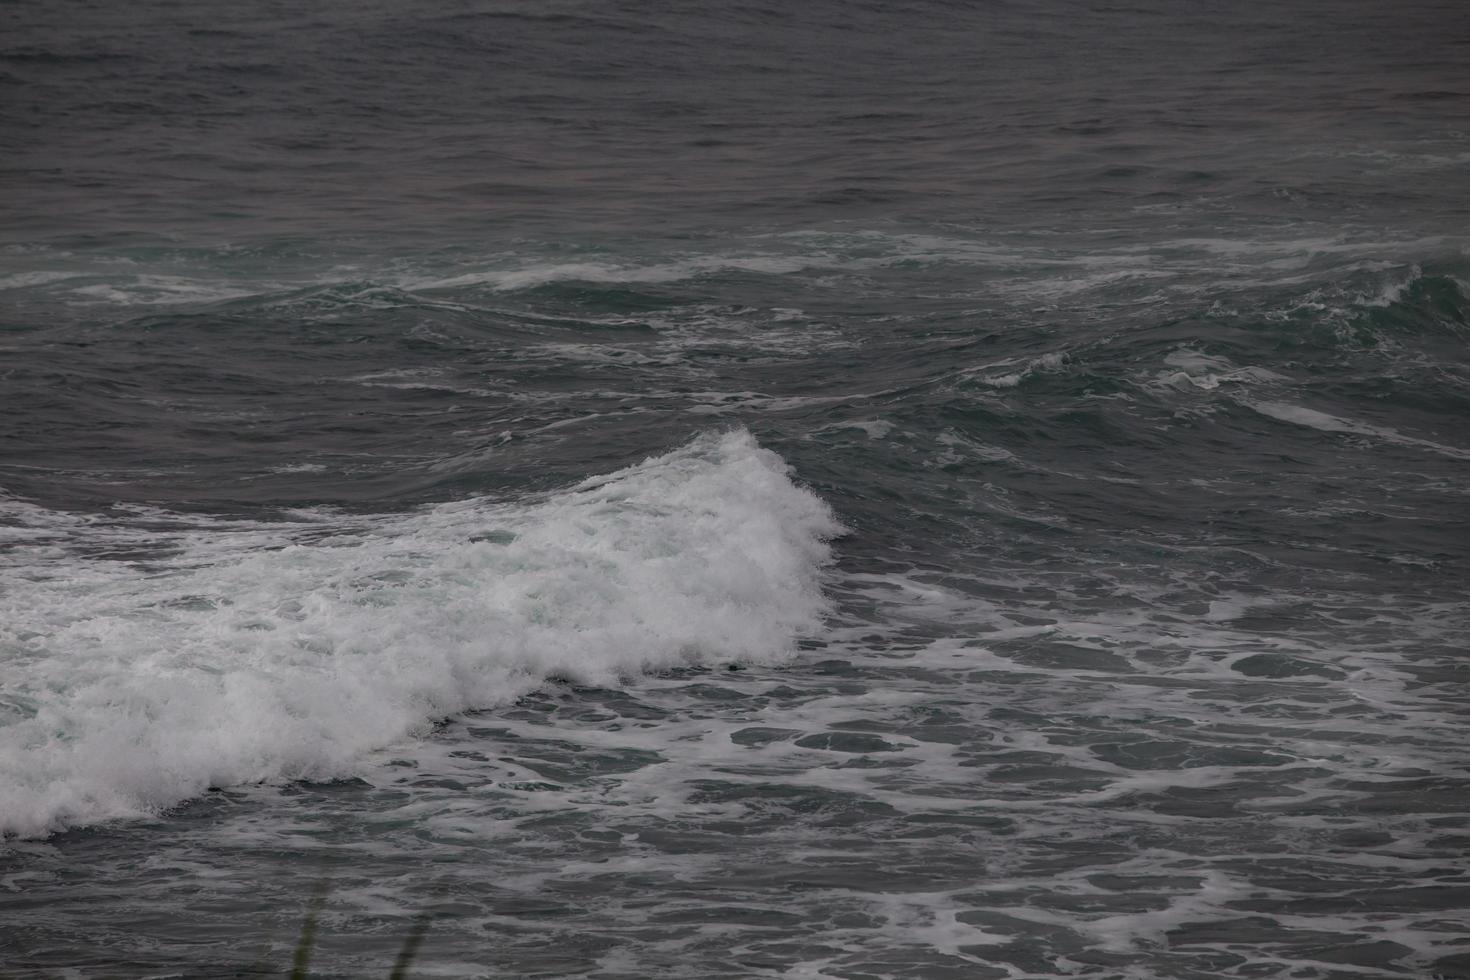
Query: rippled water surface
point(862, 491)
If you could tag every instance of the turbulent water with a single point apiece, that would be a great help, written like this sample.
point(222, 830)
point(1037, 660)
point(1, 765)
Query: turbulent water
point(913, 490)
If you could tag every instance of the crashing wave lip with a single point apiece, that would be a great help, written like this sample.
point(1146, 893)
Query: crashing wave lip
point(270, 652)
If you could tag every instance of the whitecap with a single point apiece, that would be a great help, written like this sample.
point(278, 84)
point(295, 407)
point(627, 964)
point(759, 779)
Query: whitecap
point(219, 653)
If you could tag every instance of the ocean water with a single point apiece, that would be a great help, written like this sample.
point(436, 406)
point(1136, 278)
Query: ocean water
point(914, 490)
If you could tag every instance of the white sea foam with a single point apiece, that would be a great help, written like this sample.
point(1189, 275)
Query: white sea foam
point(1313, 419)
point(1047, 363)
point(25, 280)
point(154, 290)
point(849, 253)
point(604, 272)
point(226, 653)
point(1393, 290)
point(1195, 369)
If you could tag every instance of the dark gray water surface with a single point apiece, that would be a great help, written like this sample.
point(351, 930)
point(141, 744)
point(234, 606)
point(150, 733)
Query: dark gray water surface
point(908, 490)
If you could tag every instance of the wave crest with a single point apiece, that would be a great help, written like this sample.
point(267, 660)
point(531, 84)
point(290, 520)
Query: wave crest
point(227, 654)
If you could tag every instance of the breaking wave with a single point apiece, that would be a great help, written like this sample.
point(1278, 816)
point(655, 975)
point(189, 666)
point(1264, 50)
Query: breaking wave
point(154, 657)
